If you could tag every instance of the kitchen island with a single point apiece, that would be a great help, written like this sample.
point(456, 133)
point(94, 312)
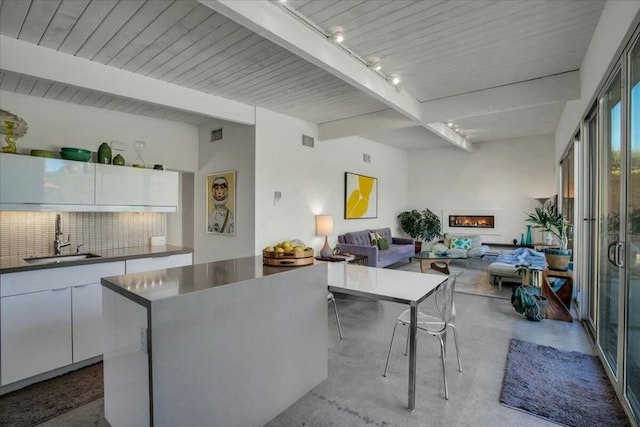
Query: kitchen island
point(228, 343)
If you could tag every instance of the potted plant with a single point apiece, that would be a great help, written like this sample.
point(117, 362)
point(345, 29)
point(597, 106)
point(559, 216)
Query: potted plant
point(421, 226)
point(527, 298)
point(548, 220)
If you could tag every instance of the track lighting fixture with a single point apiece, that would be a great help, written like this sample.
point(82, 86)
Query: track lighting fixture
point(337, 37)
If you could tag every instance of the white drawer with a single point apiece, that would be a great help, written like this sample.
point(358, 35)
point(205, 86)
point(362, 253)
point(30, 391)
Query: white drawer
point(24, 282)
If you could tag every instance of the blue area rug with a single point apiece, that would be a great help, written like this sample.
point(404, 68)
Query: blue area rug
point(566, 387)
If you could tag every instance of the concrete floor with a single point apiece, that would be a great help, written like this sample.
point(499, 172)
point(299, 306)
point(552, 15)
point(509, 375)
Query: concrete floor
point(356, 393)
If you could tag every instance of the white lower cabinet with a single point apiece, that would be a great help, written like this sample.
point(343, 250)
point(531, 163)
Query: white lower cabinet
point(86, 309)
point(158, 262)
point(51, 318)
point(35, 333)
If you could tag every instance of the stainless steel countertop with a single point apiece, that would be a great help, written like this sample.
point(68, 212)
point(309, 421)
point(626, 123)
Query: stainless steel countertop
point(160, 284)
point(17, 263)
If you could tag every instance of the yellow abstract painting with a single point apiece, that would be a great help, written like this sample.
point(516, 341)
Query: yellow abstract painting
point(361, 196)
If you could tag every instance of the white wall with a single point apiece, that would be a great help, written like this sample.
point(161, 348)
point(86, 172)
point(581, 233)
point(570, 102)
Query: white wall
point(235, 151)
point(616, 19)
point(311, 181)
point(500, 176)
point(54, 124)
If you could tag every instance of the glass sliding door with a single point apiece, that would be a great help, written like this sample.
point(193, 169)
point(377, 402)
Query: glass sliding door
point(567, 166)
point(608, 206)
point(633, 236)
point(591, 128)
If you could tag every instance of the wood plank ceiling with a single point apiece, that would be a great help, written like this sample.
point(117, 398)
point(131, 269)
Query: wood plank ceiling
point(438, 48)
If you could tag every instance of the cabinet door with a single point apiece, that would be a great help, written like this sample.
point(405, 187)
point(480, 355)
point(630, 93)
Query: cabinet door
point(86, 305)
point(123, 186)
point(37, 180)
point(158, 263)
point(36, 333)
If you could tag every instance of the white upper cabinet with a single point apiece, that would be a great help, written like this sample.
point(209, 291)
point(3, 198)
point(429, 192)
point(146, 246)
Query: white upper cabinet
point(30, 183)
point(38, 180)
point(124, 186)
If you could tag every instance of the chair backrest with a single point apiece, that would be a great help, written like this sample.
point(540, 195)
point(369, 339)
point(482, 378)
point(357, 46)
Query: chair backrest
point(444, 299)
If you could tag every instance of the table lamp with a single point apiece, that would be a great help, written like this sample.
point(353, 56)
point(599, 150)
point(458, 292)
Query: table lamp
point(324, 227)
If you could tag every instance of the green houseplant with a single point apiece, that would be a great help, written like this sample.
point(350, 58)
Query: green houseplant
point(421, 226)
point(548, 220)
point(527, 298)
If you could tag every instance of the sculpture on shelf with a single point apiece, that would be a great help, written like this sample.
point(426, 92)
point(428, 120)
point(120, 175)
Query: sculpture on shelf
point(13, 127)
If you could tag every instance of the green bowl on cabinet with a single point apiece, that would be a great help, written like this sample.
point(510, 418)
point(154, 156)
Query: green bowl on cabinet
point(77, 156)
point(43, 153)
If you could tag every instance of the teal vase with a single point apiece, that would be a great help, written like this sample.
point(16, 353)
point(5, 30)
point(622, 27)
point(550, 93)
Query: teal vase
point(522, 239)
point(529, 240)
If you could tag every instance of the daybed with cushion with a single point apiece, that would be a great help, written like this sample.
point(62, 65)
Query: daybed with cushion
point(461, 246)
point(505, 264)
point(359, 243)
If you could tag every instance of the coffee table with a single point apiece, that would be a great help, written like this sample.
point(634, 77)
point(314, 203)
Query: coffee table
point(434, 261)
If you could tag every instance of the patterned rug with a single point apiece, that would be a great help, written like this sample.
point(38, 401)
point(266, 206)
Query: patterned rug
point(566, 387)
point(43, 401)
point(473, 277)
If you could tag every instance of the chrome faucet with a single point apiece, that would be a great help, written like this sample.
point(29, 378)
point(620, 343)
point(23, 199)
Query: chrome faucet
point(57, 243)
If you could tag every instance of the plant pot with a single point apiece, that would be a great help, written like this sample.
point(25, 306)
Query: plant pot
point(558, 259)
point(418, 246)
point(542, 304)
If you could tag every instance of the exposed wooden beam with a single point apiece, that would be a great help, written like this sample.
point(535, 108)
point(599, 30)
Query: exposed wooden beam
point(286, 30)
point(546, 90)
point(447, 134)
point(538, 92)
point(359, 125)
point(35, 61)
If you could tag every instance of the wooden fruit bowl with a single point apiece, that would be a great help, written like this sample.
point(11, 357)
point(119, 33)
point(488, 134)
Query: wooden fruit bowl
point(278, 255)
point(288, 259)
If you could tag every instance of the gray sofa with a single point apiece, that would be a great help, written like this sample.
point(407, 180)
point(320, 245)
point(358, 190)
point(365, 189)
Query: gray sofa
point(476, 249)
point(359, 243)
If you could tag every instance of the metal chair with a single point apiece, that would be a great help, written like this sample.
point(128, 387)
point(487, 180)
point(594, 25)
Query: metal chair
point(332, 299)
point(435, 323)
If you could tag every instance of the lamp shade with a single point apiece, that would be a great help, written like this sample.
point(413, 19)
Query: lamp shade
point(324, 225)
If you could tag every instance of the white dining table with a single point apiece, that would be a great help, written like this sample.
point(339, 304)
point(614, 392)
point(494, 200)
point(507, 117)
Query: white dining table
point(388, 285)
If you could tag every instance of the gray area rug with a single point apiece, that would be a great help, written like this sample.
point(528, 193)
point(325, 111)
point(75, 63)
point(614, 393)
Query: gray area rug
point(43, 401)
point(566, 387)
point(473, 277)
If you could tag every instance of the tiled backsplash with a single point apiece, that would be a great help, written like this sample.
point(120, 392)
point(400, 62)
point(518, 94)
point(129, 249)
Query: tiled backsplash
point(32, 233)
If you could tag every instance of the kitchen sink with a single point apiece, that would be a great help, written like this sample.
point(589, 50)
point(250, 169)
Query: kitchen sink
point(59, 258)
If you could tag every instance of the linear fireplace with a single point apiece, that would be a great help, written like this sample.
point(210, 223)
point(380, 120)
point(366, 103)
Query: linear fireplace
point(472, 221)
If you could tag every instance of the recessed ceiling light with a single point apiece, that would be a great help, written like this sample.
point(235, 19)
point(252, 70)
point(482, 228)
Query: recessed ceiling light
point(450, 124)
point(337, 37)
point(395, 80)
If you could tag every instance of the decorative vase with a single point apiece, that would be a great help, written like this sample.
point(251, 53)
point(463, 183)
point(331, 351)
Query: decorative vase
point(557, 258)
point(118, 160)
point(529, 239)
point(104, 154)
point(548, 239)
point(522, 239)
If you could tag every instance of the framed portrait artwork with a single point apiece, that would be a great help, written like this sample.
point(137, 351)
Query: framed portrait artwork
point(221, 203)
point(360, 196)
